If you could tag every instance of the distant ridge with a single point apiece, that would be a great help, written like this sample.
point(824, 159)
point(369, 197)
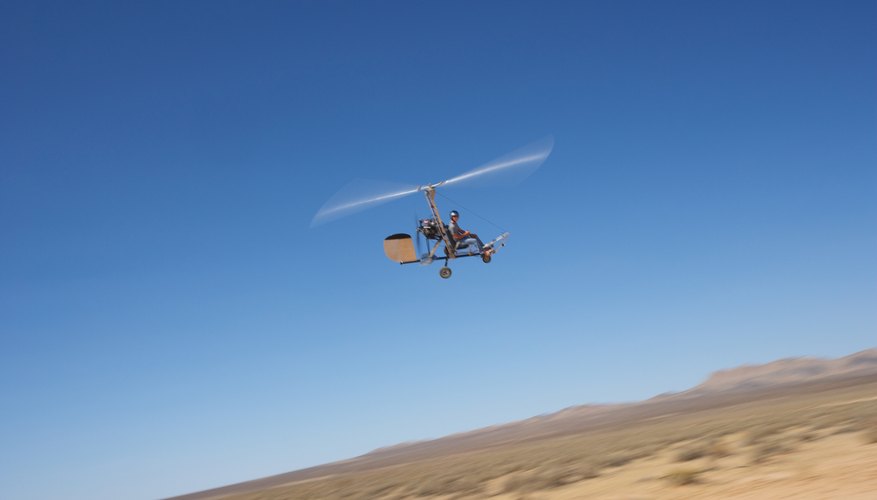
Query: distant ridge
point(722, 388)
point(789, 370)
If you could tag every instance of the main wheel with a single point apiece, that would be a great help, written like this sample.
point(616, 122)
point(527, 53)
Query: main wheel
point(485, 257)
point(445, 272)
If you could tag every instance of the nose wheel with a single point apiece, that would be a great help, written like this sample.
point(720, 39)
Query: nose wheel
point(445, 272)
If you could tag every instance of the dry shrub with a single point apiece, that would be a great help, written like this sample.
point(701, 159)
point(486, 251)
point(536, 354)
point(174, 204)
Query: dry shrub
point(871, 432)
point(446, 485)
point(808, 436)
point(691, 453)
point(770, 449)
point(516, 482)
point(759, 434)
point(847, 428)
point(711, 448)
point(681, 477)
point(718, 449)
point(548, 478)
point(618, 459)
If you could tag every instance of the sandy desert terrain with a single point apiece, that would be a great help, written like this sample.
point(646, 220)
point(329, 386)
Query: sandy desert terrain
point(753, 434)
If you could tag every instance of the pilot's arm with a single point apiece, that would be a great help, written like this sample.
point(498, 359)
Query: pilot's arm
point(458, 233)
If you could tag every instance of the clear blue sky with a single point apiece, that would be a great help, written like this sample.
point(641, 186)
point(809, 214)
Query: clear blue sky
point(169, 321)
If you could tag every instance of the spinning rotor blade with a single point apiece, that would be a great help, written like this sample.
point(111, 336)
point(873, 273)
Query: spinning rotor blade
point(508, 169)
point(360, 195)
point(364, 194)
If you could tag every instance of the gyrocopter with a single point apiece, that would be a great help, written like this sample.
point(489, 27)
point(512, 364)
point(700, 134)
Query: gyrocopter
point(451, 241)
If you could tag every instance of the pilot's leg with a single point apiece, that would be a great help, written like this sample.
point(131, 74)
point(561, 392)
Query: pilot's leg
point(478, 240)
point(473, 241)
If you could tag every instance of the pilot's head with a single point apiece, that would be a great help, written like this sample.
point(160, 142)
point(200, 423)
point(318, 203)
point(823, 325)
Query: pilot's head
point(455, 215)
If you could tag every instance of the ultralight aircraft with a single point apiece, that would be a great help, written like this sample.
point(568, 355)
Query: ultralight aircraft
point(360, 195)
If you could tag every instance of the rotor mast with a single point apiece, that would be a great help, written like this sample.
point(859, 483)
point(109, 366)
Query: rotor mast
point(429, 192)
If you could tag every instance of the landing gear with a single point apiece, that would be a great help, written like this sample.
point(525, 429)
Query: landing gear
point(485, 257)
point(445, 272)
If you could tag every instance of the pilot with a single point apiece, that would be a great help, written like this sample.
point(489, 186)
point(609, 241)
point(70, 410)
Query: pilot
point(464, 238)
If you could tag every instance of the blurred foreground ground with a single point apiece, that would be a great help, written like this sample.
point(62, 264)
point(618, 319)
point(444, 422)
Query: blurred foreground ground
point(835, 466)
point(815, 439)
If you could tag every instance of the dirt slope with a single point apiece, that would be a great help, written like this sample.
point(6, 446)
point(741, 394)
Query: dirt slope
point(779, 379)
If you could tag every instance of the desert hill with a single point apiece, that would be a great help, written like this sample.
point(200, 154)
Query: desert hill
point(727, 388)
point(790, 370)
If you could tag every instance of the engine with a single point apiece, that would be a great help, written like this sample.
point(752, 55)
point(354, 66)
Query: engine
point(429, 229)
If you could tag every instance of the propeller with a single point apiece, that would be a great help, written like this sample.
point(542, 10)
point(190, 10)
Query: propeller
point(361, 194)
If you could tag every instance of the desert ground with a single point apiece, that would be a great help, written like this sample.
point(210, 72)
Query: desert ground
point(815, 439)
